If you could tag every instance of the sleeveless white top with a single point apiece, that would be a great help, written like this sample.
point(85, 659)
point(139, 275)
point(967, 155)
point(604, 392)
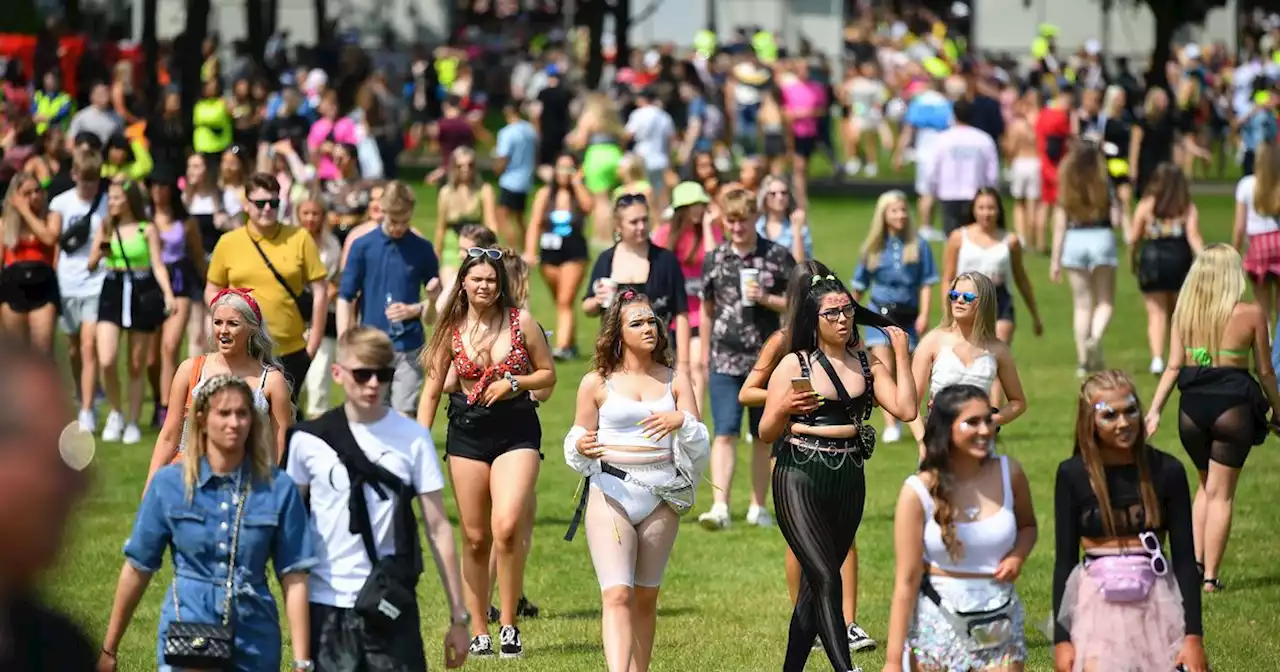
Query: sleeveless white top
point(620, 420)
point(261, 404)
point(984, 542)
point(995, 262)
point(948, 370)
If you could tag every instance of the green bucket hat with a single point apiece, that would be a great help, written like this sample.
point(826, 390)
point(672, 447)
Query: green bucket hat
point(688, 193)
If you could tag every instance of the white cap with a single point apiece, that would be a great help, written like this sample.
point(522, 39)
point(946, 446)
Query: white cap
point(1092, 47)
point(1192, 51)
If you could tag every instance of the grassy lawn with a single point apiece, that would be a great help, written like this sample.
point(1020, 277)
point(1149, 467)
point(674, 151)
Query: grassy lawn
point(725, 605)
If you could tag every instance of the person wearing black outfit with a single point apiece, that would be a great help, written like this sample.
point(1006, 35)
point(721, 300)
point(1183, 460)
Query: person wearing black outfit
point(360, 466)
point(1115, 499)
point(168, 135)
point(820, 398)
point(38, 492)
point(552, 119)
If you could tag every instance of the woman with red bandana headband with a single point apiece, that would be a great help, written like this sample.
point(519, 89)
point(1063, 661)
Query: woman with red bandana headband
point(240, 346)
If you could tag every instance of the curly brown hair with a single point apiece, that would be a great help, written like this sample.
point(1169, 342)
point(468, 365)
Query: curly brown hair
point(609, 343)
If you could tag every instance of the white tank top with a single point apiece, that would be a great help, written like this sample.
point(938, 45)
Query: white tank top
point(984, 542)
point(948, 370)
point(993, 262)
point(620, 420)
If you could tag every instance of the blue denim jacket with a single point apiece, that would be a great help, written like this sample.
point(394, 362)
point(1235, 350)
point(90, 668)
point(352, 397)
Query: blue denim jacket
point(787, 237)
point(275, 527)
point(893, 282)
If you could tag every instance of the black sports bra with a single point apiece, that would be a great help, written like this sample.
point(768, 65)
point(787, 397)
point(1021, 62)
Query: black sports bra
point(845, 410)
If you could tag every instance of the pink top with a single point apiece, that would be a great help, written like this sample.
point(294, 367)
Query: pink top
point(691, 267)
point(343, 131)
point(804, 98)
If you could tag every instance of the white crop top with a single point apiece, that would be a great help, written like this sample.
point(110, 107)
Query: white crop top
point(948, 370)
point(620, 420)
point(984, 542)
point(993, 262)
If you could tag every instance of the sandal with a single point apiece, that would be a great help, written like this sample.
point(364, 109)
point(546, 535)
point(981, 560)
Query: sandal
point(1213, 585)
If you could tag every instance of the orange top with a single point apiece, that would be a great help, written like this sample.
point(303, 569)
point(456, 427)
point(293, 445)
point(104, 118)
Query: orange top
point(29, 248)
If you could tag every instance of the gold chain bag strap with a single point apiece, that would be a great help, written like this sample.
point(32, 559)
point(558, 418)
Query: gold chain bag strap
point(206, 646)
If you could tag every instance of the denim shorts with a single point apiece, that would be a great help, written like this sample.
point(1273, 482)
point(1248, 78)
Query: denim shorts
point(726, 412)
point(1087, 249)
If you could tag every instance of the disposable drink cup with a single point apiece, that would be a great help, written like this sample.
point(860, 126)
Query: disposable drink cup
point(608, 287)
point(747, 278)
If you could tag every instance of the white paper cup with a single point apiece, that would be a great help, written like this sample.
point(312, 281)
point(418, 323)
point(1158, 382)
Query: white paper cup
point(746, 278)
point(608, 288)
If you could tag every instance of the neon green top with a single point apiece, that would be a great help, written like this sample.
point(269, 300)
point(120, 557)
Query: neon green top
point(213, 126)
point(135, 249)
point(1202, 357)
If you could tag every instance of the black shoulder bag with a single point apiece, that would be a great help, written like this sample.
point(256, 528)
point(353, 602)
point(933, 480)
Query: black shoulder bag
point(389, 592)
point(78, 232)
point(302, 300)
point(148, 298)
point(207, 646)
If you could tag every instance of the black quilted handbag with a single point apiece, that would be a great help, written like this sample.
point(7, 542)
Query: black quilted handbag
point(206, 646)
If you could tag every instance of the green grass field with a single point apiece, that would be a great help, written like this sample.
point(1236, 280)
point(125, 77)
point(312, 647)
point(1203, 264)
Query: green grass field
point(725, 605)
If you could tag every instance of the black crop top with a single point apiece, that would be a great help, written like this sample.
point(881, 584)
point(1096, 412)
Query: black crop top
point(1077, 516)
point(845, 410)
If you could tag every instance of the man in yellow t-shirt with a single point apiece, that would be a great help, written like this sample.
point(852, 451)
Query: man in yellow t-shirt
point(238, 262)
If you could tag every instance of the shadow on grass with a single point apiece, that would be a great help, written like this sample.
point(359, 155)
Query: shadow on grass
point(1255, 582)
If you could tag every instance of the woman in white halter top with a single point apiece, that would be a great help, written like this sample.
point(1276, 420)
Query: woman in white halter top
point(964, 350)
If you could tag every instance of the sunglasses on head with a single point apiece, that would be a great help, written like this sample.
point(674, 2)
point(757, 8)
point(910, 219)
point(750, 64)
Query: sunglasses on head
point(964, 297)
point(264, 203)
point(477, 252)
point(630, 199)
point(363, 375)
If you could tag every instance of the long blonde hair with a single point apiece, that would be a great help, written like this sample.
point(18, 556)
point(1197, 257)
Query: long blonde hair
point(259, 447)
point(604, 112)
point(984, 322)
point(1209, 295)
point(10, 221)
point(1266, 180)
point(873, 245)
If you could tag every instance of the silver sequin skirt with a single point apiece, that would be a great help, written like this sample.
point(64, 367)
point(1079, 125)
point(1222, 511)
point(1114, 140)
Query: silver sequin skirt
point(935, 644)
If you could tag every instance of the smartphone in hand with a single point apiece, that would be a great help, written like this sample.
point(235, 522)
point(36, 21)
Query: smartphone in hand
point(801, 384)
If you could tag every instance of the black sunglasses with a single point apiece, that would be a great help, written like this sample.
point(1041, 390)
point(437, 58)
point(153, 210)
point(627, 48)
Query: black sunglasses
point(630, 199)
point(834, 314)
point(264, 203)
point(477, 252)
point(362, 375)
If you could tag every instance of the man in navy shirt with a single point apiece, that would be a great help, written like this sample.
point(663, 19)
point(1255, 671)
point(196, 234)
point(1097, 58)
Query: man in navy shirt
point(388, 268)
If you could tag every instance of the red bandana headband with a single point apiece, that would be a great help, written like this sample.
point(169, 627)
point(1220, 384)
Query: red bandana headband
point(243, 294)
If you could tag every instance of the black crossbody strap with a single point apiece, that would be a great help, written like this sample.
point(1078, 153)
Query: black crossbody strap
point(271, 267)
point(825, 363)
point(120, 239)
point(576, 521)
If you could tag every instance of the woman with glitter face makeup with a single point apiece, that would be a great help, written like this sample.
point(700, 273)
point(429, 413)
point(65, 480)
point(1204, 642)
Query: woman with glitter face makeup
point(639, 443)
point(241, 346)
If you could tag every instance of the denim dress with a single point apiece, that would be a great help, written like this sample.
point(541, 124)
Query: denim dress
point(275, 527)
point(895, 283)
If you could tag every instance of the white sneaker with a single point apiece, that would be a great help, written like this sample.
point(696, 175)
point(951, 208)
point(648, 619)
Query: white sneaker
point(871, 170)
point(1093, 355)
point(1157, 366)
point(132, 435)
point(88, 422)
point(892, 433)
point(715, 519)
point(114, 427)
point(852, 166)
point(759, 516)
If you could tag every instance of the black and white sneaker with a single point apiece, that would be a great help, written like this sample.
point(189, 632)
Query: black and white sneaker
point(511, 646)
point(482, 646)
point(859, 640)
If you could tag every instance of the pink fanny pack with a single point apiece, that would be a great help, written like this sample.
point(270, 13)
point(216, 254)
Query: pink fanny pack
point(1122, 578)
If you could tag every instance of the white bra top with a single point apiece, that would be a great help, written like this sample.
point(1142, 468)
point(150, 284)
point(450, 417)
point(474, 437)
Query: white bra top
point(948, 370)
point(260, 402)
point(984, 542)
point(620, 420)
point(993, 262)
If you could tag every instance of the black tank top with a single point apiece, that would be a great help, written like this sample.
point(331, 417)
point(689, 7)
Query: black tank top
point(845, 410)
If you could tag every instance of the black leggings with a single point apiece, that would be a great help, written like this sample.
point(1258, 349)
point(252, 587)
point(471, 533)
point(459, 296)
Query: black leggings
point(819, 499)
point(1222, 432)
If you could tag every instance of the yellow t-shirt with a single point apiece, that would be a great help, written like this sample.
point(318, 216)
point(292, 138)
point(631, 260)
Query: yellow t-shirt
point(293, 252)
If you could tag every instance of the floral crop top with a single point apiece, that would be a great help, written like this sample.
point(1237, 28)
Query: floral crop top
point(517, 361)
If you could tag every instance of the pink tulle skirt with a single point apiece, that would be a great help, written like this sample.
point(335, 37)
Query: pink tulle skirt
point(1123, 637)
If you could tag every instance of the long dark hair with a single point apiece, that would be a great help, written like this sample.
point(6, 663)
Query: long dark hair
point(454, 313)
point(995, 195)
point(802, 311)
point(937, 457)
point(609, 343)
point(797, 286)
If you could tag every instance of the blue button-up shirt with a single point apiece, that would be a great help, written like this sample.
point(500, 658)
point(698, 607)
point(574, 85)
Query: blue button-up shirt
point(894, 282)
point(199, 531)
point(787, 235)
point(379, 266)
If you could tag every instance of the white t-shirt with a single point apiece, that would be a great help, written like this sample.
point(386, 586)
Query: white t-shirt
point(653, 130)
point(395, 443)
point(75, 281)
point(1255, 224)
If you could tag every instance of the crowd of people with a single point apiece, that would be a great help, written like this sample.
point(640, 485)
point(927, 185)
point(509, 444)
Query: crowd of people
point(266, 240)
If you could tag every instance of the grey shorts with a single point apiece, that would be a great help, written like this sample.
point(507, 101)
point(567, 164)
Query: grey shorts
point(77, 311)
point(1024, 178)
point(406, 387)
point(1087, 249)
